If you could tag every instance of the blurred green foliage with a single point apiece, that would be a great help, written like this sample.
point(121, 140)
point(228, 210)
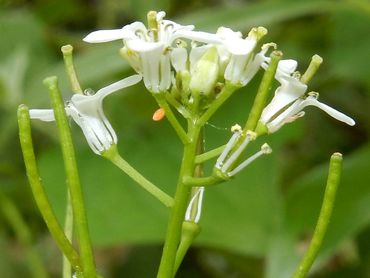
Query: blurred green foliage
point(255, 226)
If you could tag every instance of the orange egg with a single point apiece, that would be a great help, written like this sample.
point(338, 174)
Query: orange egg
point(159, 114)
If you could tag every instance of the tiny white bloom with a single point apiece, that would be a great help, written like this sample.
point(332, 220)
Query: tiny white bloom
point(290, 90)
point(290, 99)
point(87, 112)
point(236, 54)
point(149, 53)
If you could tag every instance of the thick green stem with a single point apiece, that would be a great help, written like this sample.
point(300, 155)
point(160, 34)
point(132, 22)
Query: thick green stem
point(23, 234)
point(190, 230)
point(262, 93)
point(68, 231)
point(335, 170)
point(173, 235)
point(39, 194)
point(113, 155)
point(190, 227)
point(73, 180)
point(224, 95)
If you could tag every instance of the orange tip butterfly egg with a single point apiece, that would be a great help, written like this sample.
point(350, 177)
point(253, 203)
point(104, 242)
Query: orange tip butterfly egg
point(159, 114)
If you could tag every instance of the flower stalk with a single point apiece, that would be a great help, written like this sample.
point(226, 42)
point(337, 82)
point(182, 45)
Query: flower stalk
point(73, 180)
point(262, 93)
point(38, 191)
point(177, 214)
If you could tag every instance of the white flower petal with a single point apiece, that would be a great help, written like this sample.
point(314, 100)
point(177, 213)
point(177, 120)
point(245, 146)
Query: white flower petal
point(46, 115)
point(165, 67)
point(226, 33)
point(140, 45)
point(287, 93)
point(241, 46)
point(195, 54)
point(310, 100)
point(179, 58)
point(151, 68)
point(127, 82)
point(252, 68)
point(197, 36)
point(287, 116)
point(98, 132)
point(288, 66)
point(105, 36)
point(160, 15)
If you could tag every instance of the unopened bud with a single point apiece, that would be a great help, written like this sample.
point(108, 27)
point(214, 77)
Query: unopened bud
point(204, 77)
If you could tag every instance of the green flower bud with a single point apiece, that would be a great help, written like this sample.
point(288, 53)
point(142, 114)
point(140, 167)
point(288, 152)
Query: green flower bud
point(205, 73)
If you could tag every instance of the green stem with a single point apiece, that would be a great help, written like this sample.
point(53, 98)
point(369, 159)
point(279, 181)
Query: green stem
point(73, 180)
point(172, 118)
point(262, 93)
point(68, 62)
point(190, 228)
point(335, 170)
point(68, 231)
point(113, 155)
point(38, 190)
point(224, 95)
point(190, 231)
point(173, 235)
point(23, 234)
point(209, 155)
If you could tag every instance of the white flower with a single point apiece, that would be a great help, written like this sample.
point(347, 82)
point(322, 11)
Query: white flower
point(236, 54)
point(290, 99)
point(87, 112)
point(148, 51)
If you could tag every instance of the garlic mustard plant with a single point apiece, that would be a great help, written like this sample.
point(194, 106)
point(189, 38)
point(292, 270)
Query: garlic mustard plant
point(191, 74)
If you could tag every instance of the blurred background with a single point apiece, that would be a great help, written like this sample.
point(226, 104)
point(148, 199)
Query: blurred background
point(259, 224)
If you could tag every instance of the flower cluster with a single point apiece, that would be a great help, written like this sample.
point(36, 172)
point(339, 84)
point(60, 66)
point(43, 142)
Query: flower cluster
point(191, 68)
